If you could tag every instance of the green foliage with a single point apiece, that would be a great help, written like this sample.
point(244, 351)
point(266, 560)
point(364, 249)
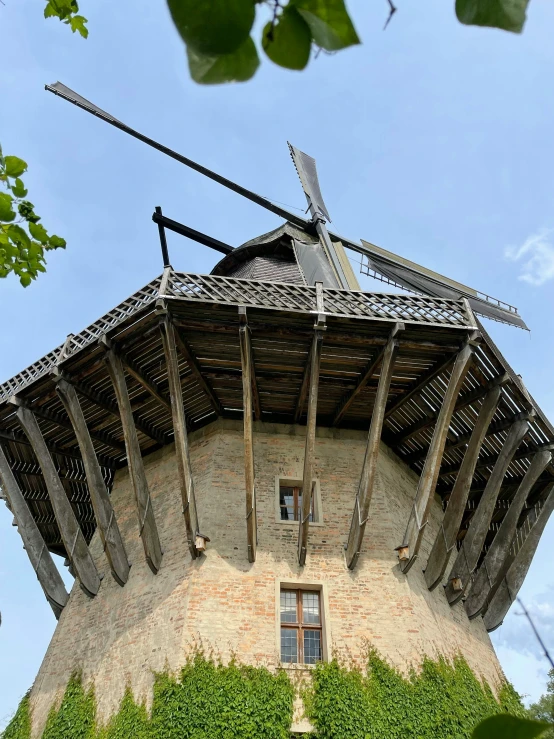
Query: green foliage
point(75, 718)
point(442, 701)
point(288, 41)
point(509, 15)
point(67, 11)
point(543, 709)
point(130, 722)
point(20, 725)
point(504, 726)
point(21, 252)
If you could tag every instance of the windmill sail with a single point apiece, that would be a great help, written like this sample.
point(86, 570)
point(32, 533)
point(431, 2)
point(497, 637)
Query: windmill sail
point(306, 168)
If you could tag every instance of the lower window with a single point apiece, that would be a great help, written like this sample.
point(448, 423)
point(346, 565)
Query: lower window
point(301, 629)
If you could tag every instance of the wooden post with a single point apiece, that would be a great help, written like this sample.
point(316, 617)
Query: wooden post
point(186, 480)
point(445, 541)
point(519, 560)
point(147, 523)
point(365, 488)
point(428, 480)
point(74, 541)
point(101, 503)
point(247, 403)
point(470, 551)
point(491, 572)
point(35, 546)
point(309, 450)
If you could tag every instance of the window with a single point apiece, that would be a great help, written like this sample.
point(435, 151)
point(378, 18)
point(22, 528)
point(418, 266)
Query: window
point(290, 503)
point(301, 632)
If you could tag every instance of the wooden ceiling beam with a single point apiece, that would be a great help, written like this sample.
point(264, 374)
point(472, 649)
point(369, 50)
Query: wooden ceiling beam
point(248, 384)
point(472, 545)
point(148, 384)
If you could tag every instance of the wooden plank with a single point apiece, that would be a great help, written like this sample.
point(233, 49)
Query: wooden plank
point(146, 382)
point(101, 503)
point(73, 539)
point(349, 397)
point(492, 570)
point(472, 544)
point(147, 523)
point(247, 393)
point(365, 489)
point(429, 475)
point(445, 541)
point(309, 450)
point(184, 469)
point(58, 420)
point(303, 394)
point(33, 543)
point(520, 559)
point(194, 367)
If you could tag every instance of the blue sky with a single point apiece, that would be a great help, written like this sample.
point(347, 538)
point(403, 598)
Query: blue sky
point(433, 140)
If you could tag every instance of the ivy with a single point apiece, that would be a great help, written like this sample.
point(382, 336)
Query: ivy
point(441, 701)
point(76, 716)
point(20, 725)
point(23, 240)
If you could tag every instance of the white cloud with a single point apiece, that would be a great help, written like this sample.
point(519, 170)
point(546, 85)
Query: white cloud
point(537, 257)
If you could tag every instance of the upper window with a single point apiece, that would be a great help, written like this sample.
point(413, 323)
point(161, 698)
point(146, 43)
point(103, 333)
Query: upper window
point(290, 503)
point(301, 627)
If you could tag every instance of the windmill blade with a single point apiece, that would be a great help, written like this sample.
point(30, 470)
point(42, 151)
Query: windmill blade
point(306, 168)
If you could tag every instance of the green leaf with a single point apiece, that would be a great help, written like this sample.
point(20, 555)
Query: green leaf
point(19, 189)
point(289, 42)
point(38, 232)
point(77, 23)
point(18, 236)
point(504, 726)
point(509, 15)
point(213, 27)
point(329, 23)
point(14, 166)
point(25, 279)
point(212, 70)
point(6, 213)
point(56, 242)
point(50, 11)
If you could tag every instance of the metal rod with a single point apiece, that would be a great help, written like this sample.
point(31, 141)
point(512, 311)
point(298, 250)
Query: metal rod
point(163, 240)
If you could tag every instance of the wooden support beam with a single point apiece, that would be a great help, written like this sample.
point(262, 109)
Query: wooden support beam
point(59, 420)
point(309, 450)
point(365, 488)
point(445, 541)
point(348, 398)
point(101, 503)
point(518, 562)
point(247, 404)
point(303, 394)
point(147, 523)
point(74, 541)
point(184, 469)
point(430, 473)
point(194, 367)
point(33, 543)
point(146, 382)
point(493, 570)
point(473, 541)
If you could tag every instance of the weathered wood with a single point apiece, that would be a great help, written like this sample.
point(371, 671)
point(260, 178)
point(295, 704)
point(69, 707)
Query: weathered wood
point(59, 420)
point(101, 503)
point(35, 546)
point(146, 382)
point(492, 571)
point(309, 449)
point(518, 563)
point(194, 367)
point(472, 544)
point(184, 469)
point(445, 540)
point(429, 475)
point(365, 488)
point(147, 523)
point(74, 541)
point(247, 393)
point(303, 394)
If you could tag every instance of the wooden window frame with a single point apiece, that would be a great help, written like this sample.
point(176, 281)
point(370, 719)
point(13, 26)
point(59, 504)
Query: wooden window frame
point(317, 511)
point(300, 626)
point(296, 495)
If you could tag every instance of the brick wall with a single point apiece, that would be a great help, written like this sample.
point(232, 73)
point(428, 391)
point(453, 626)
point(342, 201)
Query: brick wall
point(124, 634)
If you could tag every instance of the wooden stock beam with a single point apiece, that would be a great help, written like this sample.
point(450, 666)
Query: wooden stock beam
point(101, 503)
point(309, 450)
point(492, 571)
point(184, 469)
point(194, 367)
point(247, 393)
point(73, 539)
point(430, 473)
point(147, 523)
point(365, 489)
point(472, 544)
point(35, 546)
point(518, 563)
point(445, 541)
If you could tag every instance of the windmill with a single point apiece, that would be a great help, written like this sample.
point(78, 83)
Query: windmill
point(325, 261)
